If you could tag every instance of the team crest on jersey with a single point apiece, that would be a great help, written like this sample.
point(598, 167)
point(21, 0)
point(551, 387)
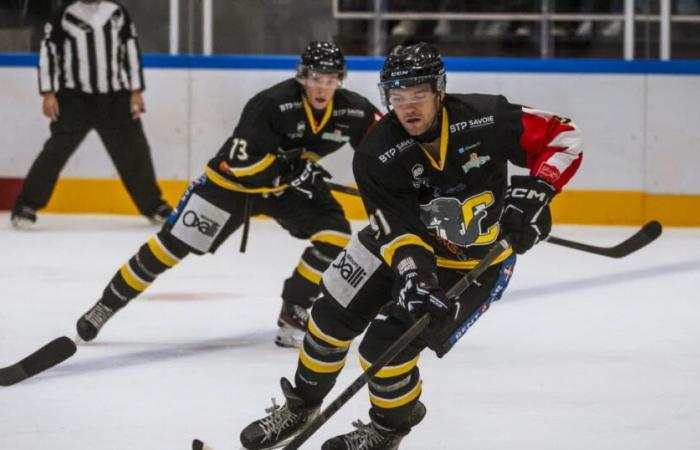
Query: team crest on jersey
point(475, 161)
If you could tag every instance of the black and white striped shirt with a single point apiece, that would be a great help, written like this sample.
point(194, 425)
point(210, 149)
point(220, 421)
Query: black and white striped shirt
point(90, 47)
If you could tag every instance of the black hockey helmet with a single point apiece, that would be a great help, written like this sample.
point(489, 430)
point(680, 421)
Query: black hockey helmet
point(411, 65)
point(321, 57)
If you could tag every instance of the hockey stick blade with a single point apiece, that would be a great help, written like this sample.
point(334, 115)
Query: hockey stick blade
point(647, 234)
point(55, 352)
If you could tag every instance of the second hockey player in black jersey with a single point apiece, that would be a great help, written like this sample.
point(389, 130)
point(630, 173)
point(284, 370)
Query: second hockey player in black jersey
point(433, 178)
point(268, 166)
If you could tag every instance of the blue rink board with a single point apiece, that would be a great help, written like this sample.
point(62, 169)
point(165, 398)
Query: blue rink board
point(521, 65)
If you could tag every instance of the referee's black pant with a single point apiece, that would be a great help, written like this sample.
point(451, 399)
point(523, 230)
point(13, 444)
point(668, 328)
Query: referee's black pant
point(110, 116)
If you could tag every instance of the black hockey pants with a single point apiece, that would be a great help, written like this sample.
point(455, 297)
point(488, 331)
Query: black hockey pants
point(123, 137)
point(208, 214)
point(357, 292)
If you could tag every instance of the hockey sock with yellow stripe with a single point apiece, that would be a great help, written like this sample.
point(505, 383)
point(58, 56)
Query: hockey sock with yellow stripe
point(321, 358)
point(153, 258)
point(394, 391)
point(302, 286)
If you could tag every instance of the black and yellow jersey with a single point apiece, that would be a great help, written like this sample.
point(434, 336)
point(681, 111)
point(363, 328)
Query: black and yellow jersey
point(446, 212)
point(277, 127)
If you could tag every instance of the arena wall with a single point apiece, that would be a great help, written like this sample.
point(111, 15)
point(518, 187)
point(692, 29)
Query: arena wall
point(639, 119)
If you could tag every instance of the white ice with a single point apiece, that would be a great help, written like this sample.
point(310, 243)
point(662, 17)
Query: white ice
point(583, 352)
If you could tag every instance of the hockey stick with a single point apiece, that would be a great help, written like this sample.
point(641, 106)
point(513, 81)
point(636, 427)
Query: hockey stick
point(401, 343)
point(647, 234)
point(55, 352)
point(343, 189)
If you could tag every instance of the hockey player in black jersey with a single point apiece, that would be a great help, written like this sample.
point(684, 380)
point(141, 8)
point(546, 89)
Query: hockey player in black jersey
point(269, 166)
point(433, 177)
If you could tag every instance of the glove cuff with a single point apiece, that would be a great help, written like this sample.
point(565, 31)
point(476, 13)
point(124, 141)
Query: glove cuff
point(531, 187)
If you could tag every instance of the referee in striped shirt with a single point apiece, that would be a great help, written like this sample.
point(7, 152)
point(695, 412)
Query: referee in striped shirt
point(90, 77)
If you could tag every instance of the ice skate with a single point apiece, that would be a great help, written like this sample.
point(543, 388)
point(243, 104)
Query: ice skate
point(374, 436)
point(92, 321)
point(281, 424)
point(292, 325)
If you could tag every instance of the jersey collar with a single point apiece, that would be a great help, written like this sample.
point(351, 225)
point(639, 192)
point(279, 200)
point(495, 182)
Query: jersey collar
point(444, 136)
point(317, 126)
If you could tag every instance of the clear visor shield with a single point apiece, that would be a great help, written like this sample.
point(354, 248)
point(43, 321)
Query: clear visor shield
point(319, 80)
point(397, 92)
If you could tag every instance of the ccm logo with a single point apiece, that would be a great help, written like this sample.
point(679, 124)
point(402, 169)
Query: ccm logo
point(528, 194)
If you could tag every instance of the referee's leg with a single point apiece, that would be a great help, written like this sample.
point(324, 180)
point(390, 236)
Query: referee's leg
point(127, 146)
point(67, 133)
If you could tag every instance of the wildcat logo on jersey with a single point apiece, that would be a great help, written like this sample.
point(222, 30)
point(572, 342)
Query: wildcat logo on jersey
point(350, 270)
point(475, 161)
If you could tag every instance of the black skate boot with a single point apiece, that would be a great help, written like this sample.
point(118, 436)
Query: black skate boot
point(92, 321)
point(282, 423)
point(292, 325)
point(160, 215)
point(375, 436)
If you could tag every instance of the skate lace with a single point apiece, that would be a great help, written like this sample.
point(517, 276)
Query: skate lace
point(278, 419)
point(99, 315)
point(364, 437)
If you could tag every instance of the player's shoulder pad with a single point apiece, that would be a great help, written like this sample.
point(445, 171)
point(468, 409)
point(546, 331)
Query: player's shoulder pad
point(352, 99)
point(386, 141)
point(286, 95)
point(482, 103)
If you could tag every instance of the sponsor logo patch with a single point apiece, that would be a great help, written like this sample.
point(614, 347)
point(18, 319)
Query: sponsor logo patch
point(199, 223)
point(395, 150)
point(336, 136)
point(475, 161)
point(350, 270)
point(470, 124)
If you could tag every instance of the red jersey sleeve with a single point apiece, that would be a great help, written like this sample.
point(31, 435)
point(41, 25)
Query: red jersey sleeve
point(553, 146)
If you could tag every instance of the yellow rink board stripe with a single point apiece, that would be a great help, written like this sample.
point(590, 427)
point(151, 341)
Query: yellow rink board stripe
point(108, 196)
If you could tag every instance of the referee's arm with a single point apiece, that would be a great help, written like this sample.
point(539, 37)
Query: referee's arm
point(132, 65)
point(49, 66)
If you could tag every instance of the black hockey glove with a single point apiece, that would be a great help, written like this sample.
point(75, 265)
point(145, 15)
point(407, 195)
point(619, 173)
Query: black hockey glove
point(419, 293)
point(526, 216)
point(306, 178)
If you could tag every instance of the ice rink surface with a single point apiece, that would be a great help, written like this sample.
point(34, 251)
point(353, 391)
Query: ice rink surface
point(583, 352)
